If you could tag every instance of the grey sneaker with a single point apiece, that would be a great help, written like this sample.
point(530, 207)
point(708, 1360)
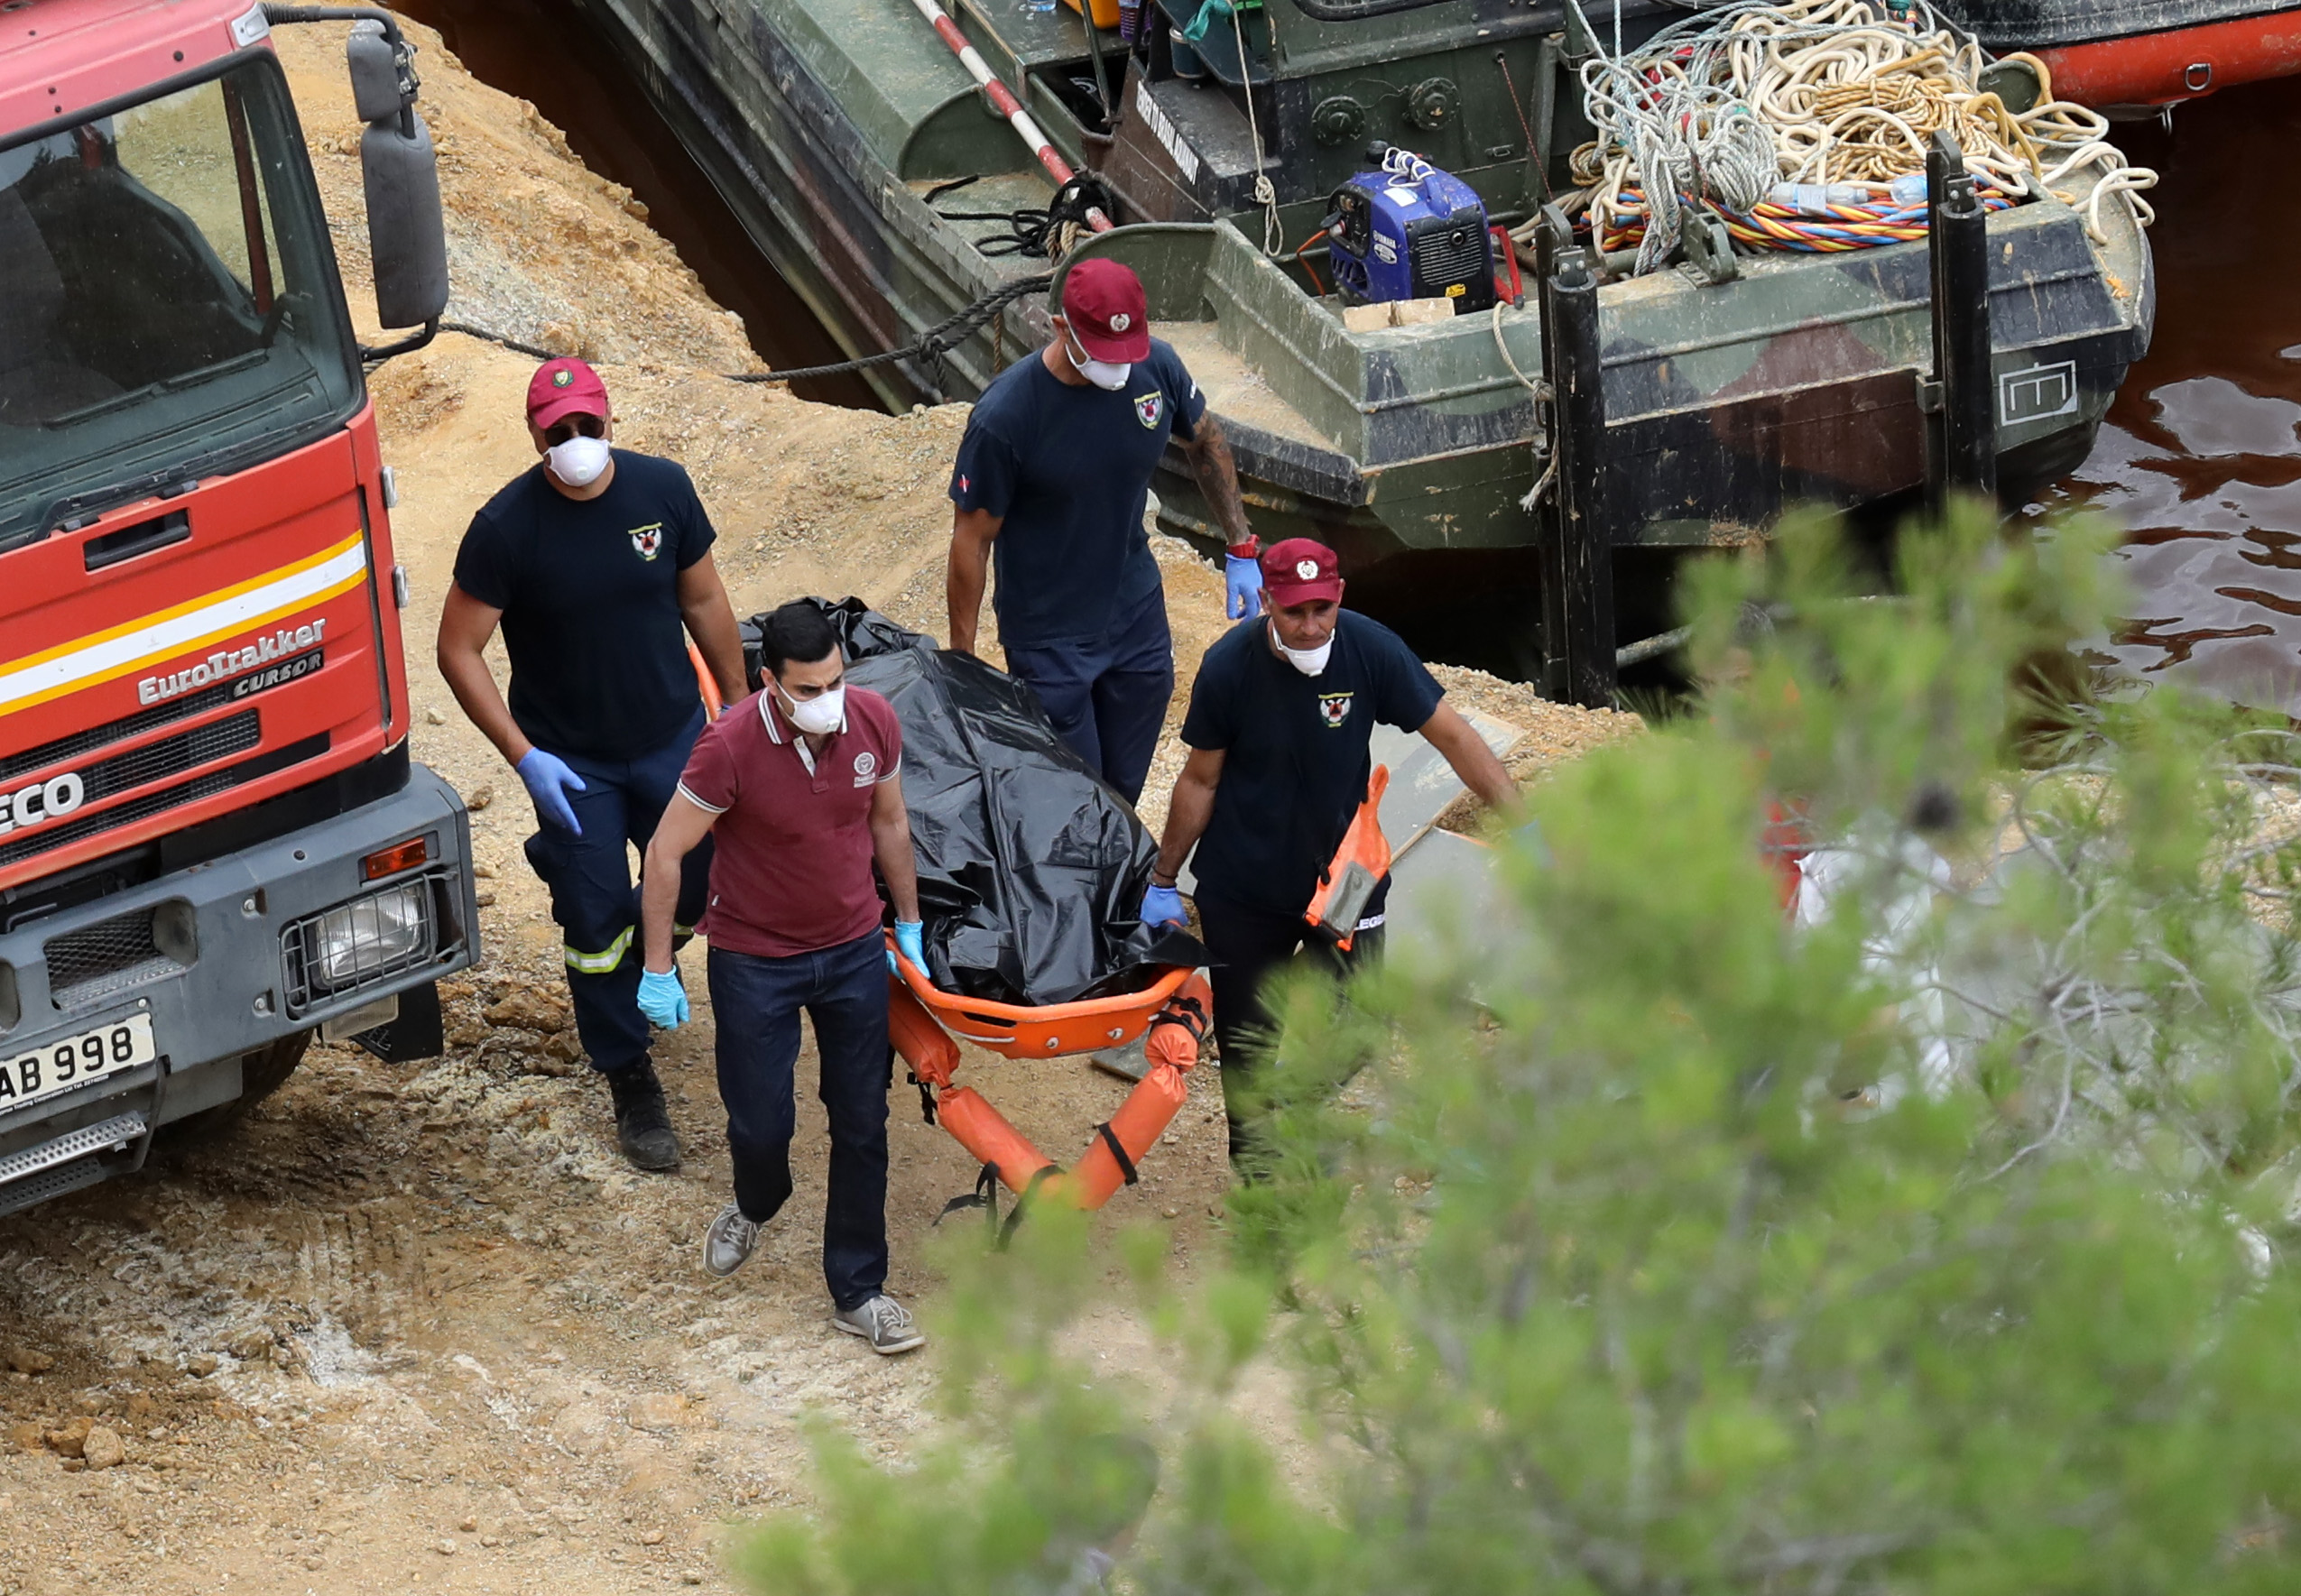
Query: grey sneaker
point(729, 1241)
point(882, 1322)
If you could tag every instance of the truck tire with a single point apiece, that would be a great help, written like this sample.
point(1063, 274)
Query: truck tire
point(261, 1073)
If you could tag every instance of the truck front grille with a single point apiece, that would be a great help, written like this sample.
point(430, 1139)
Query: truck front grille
point(144, 806)
point(173, 756)
point(91, 965)
point(92, 738)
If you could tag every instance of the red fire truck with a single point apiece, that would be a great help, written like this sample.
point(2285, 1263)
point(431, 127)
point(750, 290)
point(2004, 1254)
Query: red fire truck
point(213, 842)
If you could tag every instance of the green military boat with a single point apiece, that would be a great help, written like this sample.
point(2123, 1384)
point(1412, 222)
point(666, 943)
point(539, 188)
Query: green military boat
point(1733, 387)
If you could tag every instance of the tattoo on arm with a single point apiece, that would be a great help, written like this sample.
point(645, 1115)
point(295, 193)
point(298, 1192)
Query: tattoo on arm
point(1217, 473)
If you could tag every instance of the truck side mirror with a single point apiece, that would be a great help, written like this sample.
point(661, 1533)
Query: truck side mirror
point(407, 236)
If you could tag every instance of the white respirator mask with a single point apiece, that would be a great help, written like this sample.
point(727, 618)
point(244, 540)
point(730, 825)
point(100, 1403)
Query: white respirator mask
point(1310, 661)
point(819, 715)
point(580, 461)
point(1108, 375)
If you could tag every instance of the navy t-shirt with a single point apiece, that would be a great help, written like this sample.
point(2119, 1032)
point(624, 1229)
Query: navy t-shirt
point(589, 591)
point(1295, 763)
point(1067, 470)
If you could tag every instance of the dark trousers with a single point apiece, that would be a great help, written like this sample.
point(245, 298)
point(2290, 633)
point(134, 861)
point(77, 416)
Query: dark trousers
point(593, 897)
point(1250, 945)
point(1107, 696)
point(754, 1007)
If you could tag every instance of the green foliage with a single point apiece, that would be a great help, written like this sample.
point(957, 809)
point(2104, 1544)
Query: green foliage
point(1650, 1243)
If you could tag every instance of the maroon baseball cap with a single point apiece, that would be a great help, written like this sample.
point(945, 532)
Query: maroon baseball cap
point(562, 387)
point(1102, 302)
point(1300, 570)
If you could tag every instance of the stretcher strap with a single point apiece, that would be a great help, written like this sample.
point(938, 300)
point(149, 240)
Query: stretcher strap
point(1023, 1200)
point(925, 1096)
point(1185, 1011)
point(1111, 1140)
point(985, 1196)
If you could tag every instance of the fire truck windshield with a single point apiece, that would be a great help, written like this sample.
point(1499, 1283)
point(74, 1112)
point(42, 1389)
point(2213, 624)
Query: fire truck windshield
point(172, 309)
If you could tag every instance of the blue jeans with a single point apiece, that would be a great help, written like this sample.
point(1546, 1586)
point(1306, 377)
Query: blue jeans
point(1107, 696)
point(593, 897)
point(754, 1005)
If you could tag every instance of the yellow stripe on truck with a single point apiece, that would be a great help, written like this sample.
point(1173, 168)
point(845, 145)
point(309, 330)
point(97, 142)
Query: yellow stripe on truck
point(181, 629)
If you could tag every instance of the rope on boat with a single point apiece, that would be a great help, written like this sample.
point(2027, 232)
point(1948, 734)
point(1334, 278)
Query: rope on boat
point(935, 343)
point(1803, 124)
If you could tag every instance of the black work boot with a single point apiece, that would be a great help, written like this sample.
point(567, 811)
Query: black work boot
point(642, 1122)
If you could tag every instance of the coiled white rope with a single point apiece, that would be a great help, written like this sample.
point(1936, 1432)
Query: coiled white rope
point(1730, 105)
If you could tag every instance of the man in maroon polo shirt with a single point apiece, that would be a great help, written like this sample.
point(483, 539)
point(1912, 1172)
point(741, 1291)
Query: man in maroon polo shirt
point(800, 788)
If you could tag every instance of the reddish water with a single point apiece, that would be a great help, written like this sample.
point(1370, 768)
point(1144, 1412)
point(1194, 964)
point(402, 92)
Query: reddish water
point(538, 51)
point(2201, 454)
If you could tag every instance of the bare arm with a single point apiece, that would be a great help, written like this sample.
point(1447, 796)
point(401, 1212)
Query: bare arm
point(972, 532)
point(711, 621)
point(1209, 453)
point(1188, 812)
point(684, 823)
point(890, 846)
point(1472, 760)
point(465, 626)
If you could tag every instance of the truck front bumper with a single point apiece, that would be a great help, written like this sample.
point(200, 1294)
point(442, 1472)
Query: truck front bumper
point(218, 961)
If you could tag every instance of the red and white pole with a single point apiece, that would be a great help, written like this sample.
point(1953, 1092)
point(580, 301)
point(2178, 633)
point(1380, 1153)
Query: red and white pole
point(1002, 96)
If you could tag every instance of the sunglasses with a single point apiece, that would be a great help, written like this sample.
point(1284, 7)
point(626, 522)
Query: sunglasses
point(575, 427)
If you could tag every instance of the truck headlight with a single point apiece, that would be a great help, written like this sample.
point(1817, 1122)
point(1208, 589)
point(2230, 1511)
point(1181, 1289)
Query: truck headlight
point(355, 943)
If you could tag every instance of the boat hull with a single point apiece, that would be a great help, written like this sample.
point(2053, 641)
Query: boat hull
point(2137, 55)
point(1727, 404)
point(809, 190)
point(2152, 69)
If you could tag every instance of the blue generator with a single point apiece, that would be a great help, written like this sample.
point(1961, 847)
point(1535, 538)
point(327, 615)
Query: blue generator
point(1409, 231)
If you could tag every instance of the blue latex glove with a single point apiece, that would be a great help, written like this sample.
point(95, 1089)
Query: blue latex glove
point(548, 783)
point(1162, 906)
point(1243, 583)
point(906, 939)
point(662, 999)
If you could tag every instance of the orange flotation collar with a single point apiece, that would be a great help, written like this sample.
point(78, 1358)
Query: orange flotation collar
point(1358, 867)
point(1174, 1011)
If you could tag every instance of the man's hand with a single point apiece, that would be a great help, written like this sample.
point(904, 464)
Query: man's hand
point(662, 999)
point(1242, 583)
point(1162, 906)
point(910, 941)
point(548, 783)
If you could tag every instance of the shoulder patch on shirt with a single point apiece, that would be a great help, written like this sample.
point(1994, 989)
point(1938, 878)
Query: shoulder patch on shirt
point(866, 766)
point(648, 540)
point(1149, 407)
point(1333, 708)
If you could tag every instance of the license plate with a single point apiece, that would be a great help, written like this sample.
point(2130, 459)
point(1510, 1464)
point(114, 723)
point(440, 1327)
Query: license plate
point(68, 1062)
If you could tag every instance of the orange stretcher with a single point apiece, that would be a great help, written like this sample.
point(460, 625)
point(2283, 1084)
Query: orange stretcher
point(1174, 1010)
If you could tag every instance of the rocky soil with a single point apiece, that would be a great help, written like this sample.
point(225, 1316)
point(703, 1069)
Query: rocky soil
point(418, 1326)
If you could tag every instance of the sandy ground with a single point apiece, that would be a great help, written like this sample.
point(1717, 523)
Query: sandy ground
point(418, 1326)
